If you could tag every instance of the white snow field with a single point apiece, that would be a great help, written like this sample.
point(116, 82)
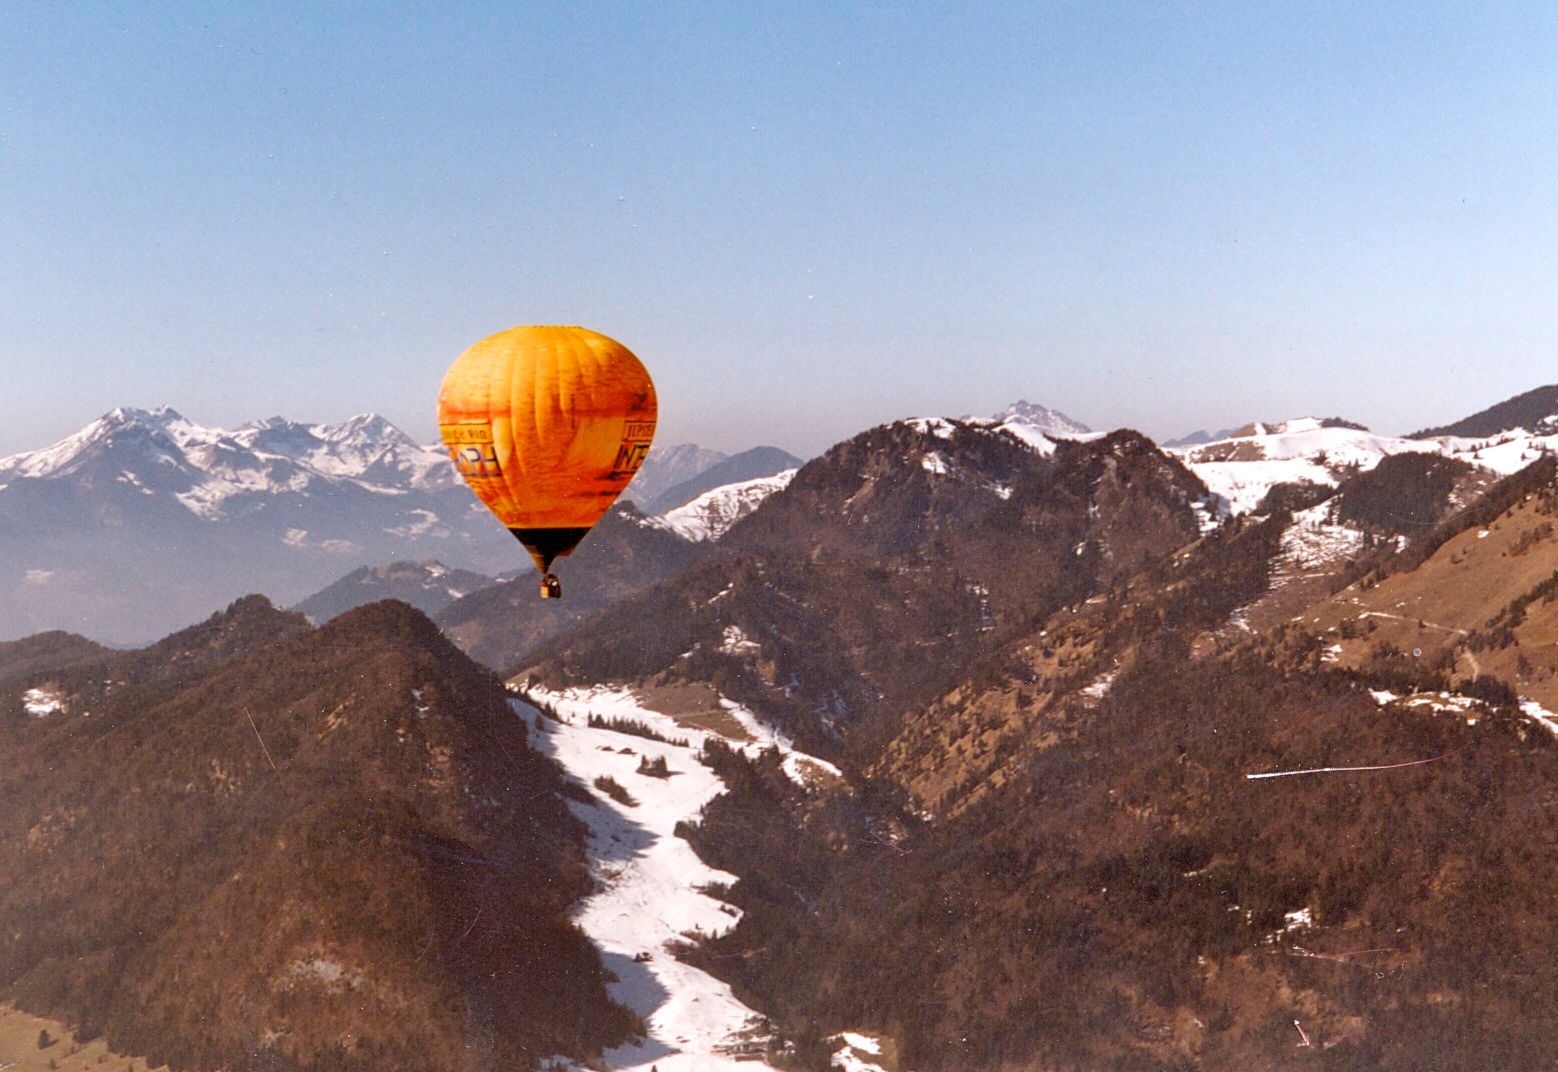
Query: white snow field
point(1244, 466)
point(649, 882)
point(710, 515)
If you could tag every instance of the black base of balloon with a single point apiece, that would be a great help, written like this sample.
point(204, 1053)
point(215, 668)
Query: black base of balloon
point(547, 544)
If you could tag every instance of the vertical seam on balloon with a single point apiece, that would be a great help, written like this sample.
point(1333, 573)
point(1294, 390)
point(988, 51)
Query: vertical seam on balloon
point(538, 382)
point(568, 387)
point(596, 371)
point(506, 495)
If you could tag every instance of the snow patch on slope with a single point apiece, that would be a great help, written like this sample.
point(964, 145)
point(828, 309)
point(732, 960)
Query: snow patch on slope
point(859, 1053)
point(43, 702)
point(1313, 542)
point(1244, 466)
point(939, 427)
point(1506, 453)
point(649, 881)
point(159, 451)
point(710, 515)
point(1540, 715)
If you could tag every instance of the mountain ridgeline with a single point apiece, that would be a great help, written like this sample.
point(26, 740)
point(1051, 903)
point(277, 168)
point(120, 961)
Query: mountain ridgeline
point(1533, 410)
point(885, 569)
point(258, 845)
point(208, 515)
point(1038, 672)
point(427, 586)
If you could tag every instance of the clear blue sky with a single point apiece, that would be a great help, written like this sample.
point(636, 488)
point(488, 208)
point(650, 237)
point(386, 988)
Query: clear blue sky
point(805, 218)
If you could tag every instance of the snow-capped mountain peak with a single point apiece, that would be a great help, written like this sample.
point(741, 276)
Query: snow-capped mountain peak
point(207, 514)
point(710, 515)
point(1042, 419)
point(119, 432)
point(145, 447)
point(1037, 426)
point(1246, 463)
point(363, 428)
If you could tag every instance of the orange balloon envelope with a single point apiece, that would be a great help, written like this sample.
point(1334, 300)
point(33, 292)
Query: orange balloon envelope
point(548, 426)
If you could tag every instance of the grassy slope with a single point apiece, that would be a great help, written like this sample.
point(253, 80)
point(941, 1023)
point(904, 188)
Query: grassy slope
point(19, 1050)
point(1440, 607)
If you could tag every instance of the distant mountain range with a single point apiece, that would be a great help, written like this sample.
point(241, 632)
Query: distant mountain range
point(427, 586)
point(666, 467)
point(144, 521)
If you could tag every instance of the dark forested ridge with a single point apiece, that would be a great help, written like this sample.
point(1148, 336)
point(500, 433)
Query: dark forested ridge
point(47, 651)
point(1403, 495)
point(1531, 410)
point(1108, 889)
point(1129, 899)
point(260, 845)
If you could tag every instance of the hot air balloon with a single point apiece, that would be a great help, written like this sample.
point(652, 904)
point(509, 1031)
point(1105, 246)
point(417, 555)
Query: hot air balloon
point(547, 425)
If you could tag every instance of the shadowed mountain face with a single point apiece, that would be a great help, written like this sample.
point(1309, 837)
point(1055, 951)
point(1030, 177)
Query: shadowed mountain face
point(625, 553)
point(1040, 677)
point(1128, 898)
point(258, 845)
point(885, 569)
point(427, 586)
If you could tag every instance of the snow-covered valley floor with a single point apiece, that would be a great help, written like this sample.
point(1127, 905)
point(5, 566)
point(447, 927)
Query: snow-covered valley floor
point(649, 882)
